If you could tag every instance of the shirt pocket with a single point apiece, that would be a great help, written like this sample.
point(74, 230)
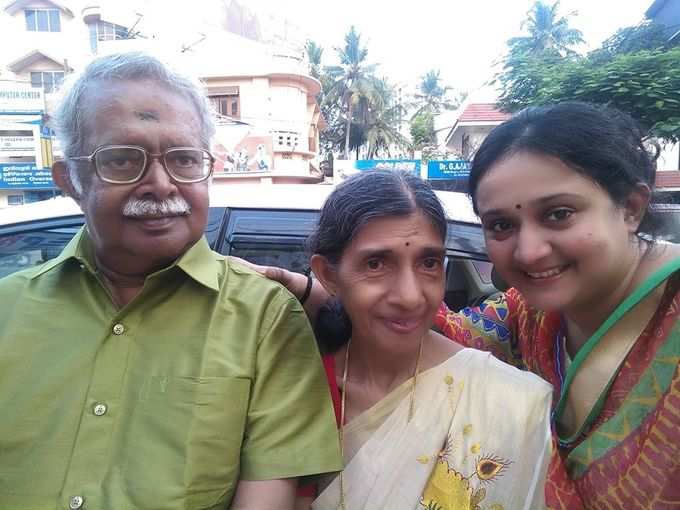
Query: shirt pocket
point(185, 437)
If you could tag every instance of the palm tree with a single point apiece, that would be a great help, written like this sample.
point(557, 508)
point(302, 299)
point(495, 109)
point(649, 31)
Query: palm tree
point(314, 53)
point(352, 83)
point(548, 31)
point(431, 96)
point(381, 129)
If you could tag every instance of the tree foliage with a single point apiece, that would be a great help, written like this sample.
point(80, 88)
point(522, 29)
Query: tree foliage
point(633, 71)
point(382, 120)
point(550, 41)
point(351, 81)
point(422, 130)
point(645, 36)
point(433, 97)
point(548, 32)
point(314, 53)
point(363, 112)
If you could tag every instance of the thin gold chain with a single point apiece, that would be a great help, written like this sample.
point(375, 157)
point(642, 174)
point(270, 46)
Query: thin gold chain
point(345, 379)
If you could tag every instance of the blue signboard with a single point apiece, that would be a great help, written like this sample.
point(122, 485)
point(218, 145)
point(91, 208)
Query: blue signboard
point(25, 176)
point(450, 170)
point(408, 165)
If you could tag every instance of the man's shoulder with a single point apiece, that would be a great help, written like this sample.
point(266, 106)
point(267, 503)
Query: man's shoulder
point(21, 278)
point(245, 281)
point(17, 288)
point(257, 299)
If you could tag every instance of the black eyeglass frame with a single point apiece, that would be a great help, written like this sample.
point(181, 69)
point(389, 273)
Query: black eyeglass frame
point(148, 157)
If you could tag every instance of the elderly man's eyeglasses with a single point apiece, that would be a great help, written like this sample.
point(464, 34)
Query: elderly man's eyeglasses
point(126, 164)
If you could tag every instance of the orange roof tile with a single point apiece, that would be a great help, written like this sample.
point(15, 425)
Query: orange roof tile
point(483, 112)
point(668, 179)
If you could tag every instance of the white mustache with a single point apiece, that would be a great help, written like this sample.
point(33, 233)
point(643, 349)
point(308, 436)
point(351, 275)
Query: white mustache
point(175, 206)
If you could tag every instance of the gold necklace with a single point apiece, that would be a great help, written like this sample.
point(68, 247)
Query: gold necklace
point(345, 379)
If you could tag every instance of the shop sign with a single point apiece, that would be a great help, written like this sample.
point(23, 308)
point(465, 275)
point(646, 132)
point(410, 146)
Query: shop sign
point(448, 169)
point(17, 143)
point(20, 98)
point(25, 176)
point(407, 165)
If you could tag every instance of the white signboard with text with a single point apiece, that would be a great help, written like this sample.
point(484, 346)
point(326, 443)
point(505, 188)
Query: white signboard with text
point(18, 97)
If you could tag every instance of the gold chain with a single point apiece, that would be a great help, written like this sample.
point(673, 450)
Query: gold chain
point(345, 379)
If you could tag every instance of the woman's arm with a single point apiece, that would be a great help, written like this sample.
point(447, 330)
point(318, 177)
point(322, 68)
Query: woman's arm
point(487, 327)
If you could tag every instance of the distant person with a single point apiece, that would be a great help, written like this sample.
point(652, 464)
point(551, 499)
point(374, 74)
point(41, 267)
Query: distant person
point(139, 369)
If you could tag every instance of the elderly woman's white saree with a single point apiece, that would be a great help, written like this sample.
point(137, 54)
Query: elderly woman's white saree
point(479, 439)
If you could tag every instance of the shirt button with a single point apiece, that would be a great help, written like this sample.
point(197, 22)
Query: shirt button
point(75, 502)
point(118, 329)
point(100, 409)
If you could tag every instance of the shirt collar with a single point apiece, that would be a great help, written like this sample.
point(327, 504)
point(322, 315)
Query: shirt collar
point(199, 262)
point(79, 248)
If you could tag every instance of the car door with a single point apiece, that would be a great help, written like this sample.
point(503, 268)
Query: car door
point(31, 243)
point(269, 237)
point(278, 238)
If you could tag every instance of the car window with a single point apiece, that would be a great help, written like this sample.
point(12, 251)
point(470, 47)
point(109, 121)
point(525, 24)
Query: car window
point(484, 270)
point(671, 225)
point(270, 237)
point(212, 229)
point(22, 250)
point(271, 251)
point(465, 240)
point(298, 224)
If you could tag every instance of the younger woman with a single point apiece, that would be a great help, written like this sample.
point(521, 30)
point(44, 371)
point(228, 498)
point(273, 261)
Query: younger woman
point(564, 193)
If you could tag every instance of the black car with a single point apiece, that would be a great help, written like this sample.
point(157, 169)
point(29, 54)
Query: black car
point(266, 224)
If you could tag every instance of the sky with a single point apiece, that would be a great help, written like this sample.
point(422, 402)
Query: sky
point(461, 38)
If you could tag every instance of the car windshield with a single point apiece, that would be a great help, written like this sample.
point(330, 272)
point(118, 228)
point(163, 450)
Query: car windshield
point(670, 229)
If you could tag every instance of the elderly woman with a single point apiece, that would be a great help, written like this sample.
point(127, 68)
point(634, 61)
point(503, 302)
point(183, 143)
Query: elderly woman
point(424, 423)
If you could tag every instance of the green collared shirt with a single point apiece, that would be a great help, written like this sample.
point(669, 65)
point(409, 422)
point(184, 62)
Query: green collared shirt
point(208, 376)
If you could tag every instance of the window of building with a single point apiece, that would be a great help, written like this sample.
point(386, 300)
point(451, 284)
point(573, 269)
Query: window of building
point(227, 104)
point(110, 32)
point(286, 141)
point(105, 31)
point(48, 80)
point(43, 20)
point(15, 199)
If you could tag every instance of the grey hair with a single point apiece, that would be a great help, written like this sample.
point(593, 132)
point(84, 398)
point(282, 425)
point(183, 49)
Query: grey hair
point(70, 116)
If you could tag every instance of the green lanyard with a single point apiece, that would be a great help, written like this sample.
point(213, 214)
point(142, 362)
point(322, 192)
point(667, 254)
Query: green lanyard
point(633, 299)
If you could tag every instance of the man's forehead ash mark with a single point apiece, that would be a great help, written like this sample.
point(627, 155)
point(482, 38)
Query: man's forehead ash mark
point(147, 116)
point(518, 206)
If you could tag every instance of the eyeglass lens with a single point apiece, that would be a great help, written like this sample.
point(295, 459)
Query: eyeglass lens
point(125, 164)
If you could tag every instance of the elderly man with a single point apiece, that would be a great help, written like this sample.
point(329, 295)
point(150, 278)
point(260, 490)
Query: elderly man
point(139, 369)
